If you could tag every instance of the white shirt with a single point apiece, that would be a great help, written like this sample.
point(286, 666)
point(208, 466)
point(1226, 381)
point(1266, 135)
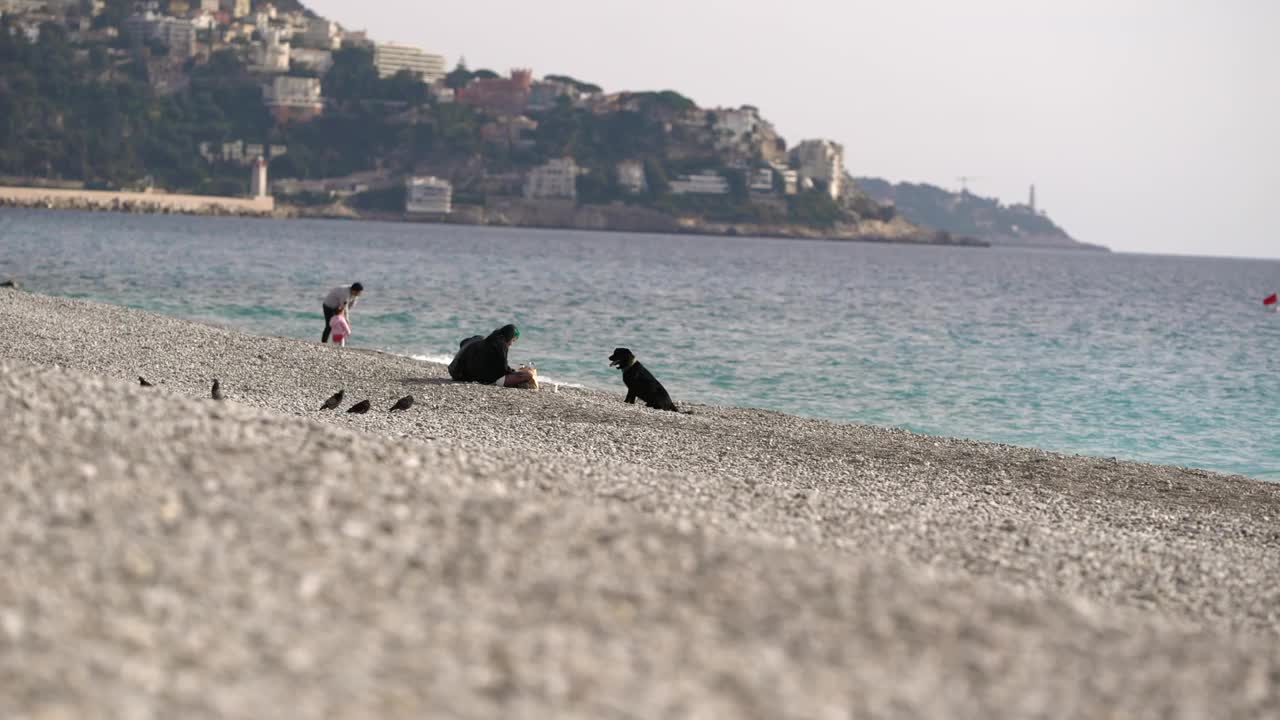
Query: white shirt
point(338, 296)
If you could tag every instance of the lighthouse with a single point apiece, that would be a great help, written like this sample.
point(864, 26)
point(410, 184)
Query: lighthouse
point(1032, 202)
point(258, 178)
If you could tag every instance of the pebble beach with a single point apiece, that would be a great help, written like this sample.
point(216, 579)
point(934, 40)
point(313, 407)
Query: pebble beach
point(521, 554)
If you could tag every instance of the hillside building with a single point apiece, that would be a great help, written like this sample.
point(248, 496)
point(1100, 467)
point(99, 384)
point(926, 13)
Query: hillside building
point(322, 34)
point(761, 181)
point(428, 195)
point(820, 162)
point(509, 131)
point(504, 96)
point(703, 183)
point(391, 58)
point(235, 8)
point(177, 34)
point(293, 98)
point(544, 95)
point(558, 178)
point(272, 55)
point(631, 177)
point(319, 61)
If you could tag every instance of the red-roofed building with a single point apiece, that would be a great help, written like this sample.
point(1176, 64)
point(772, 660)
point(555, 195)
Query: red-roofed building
point(505, 96)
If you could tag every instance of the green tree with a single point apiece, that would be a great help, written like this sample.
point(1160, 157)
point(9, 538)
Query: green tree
point(459, 77)
point(352, 77)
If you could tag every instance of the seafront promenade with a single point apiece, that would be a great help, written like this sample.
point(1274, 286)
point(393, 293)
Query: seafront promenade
point(504, 553)
point(142, 202)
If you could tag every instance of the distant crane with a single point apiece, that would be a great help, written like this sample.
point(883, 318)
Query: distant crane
point(964, 182)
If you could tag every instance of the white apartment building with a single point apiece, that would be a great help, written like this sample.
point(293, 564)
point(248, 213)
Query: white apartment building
point(821, 161)
point(703, 183)
point(631, 177)
point(442, 94)
point(59, 7)
point(322, 34)
point(762, 181)
point(391, 58)
point(733, 125)
point(273, 54)
point(177, 34)
point(293, 92)
point(558, 178)
point(318, 60)
point(428, 195)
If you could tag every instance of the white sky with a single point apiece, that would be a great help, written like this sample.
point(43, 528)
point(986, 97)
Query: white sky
point(1146, 125)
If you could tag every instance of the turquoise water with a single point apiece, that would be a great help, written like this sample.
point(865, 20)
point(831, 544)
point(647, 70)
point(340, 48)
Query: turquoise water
point(1161, 359)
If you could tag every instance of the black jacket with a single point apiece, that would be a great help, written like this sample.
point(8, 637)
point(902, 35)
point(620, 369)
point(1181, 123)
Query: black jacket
point(481, 360)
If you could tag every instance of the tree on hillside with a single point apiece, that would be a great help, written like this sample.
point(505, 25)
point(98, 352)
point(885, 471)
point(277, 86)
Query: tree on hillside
point(404, 86)
point(580, 86)
point(352, 76)
point(459, 77)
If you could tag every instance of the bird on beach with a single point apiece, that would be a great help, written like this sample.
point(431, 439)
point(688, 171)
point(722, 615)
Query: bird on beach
point(361, 407)
point(333, 401)
point(403, 403)
point(143, 382)
point(217, 390)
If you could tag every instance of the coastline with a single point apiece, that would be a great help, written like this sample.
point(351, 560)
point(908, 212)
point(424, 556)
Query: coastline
point(492, 545)
point(515, 215)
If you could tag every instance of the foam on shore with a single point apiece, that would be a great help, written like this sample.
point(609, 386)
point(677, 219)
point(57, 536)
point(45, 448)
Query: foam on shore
point(508, 553)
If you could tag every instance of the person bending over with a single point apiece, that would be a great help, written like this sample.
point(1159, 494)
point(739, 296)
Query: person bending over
point(484, 360)
point(338, 297)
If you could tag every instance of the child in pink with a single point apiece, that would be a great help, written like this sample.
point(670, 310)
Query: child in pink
point(339, 328)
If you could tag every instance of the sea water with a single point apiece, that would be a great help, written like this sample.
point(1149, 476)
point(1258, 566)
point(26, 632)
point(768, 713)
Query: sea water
point(1161, 359)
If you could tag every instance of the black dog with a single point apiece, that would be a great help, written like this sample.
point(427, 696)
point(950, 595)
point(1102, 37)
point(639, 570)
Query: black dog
point(640, 382)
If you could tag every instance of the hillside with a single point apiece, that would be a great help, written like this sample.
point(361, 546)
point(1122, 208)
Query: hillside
point(972, 215)
point(184, 100)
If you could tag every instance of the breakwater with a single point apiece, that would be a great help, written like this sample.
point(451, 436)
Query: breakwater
point(139, 202)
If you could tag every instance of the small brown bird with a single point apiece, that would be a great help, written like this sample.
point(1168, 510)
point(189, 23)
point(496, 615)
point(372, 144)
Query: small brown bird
point(143, 382)
point(333, 401)
point(361, 407)
point(403, 403)
point(217, 390)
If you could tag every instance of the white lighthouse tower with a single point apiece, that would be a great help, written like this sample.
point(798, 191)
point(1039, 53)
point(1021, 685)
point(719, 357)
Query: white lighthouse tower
point(258, 178)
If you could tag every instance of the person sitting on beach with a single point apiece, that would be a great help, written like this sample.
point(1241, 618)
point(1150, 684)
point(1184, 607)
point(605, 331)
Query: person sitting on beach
point(484, 360)
point(342, 296)
point(340, 326)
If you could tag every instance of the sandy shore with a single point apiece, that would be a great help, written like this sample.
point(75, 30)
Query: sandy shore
point(501, 553)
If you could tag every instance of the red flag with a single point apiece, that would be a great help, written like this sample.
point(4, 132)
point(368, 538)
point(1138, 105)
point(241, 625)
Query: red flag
point(1271, 300)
